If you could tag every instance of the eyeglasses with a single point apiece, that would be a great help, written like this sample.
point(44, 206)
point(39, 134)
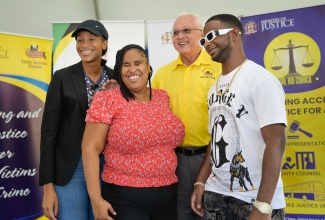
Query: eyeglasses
point(185, 31)
point(95, 88)
point(213, 34)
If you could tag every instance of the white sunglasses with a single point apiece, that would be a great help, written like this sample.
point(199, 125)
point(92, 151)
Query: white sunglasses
point(213, 34)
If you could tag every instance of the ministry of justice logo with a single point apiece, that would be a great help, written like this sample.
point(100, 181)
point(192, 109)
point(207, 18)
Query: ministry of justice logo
point(250, 27)
point(166, 38)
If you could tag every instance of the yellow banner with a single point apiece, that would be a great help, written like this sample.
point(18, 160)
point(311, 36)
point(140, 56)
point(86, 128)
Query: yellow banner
point(304, 163)
point(24, 60)
point(25, 72)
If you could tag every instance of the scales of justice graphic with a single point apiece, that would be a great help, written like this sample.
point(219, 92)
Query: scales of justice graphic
point(307, 60)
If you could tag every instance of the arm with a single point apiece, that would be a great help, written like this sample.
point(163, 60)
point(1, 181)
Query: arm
point(275, 138)
point(93, 144)
point(51, 120)
point(49, 133)
point(50, 204)
point(198, 191)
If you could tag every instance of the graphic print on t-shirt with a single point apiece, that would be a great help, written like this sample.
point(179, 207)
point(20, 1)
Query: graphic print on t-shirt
point(226, 153)
point(240, 172)
point(241, 111)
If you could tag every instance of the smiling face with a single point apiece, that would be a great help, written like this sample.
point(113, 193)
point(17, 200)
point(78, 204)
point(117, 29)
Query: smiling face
point(90, 46)
point(219, 48)
point(135, 70)
point(187, 43)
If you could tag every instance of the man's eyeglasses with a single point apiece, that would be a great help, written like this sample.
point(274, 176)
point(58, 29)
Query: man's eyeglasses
point(213, 34)
point(185, 31)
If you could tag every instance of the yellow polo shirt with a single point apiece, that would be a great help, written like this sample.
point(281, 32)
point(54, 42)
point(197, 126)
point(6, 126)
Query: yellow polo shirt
point(187, 87)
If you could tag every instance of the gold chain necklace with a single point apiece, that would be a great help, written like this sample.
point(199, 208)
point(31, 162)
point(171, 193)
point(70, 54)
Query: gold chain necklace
point(232, 79)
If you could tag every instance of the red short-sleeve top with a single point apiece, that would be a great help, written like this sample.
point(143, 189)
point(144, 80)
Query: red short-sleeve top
point(140, 145)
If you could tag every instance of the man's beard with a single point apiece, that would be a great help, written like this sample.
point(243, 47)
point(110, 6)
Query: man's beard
point(224, 53)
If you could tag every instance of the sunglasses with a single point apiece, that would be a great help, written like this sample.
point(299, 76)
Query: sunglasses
point(185, 31)
point(95, 88)
point(213, 34)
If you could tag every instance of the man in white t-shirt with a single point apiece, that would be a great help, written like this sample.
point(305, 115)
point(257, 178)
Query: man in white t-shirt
point(240, 175)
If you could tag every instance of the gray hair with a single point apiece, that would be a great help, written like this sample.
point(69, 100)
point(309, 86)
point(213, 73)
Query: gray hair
point(198, 19)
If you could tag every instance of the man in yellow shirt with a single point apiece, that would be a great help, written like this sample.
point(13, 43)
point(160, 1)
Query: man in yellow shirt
point(187, 81)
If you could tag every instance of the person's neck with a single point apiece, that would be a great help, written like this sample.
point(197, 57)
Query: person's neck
point(231, 64)
point(93, 70)
point(143, 96)
point(188, 59)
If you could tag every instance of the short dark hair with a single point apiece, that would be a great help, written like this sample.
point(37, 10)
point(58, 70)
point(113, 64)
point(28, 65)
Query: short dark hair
point(126, 93)
point(228, 19)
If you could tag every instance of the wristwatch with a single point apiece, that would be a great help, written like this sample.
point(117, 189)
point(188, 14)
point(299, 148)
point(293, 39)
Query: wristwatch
point(263, 207)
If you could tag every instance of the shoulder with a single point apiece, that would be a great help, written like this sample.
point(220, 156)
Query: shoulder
point(260, 80)
point(112, 93)
point(205, 58)
point(258, 69)
point(160, 94)
point(108, 97)
point(167, 66)
point(258, 73)
point(164, 73)
point(110, 72)
point(77, 67)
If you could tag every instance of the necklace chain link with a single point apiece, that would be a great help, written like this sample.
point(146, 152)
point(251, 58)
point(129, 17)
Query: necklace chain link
point(232, 79)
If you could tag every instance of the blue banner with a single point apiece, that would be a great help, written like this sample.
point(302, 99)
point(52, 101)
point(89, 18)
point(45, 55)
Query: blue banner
point(290, 44)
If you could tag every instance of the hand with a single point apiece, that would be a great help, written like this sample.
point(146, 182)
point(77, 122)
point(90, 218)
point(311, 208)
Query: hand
point(110, 84)
point(101, 211)
point(196, 200)
point(50, 202)
point(257, 215)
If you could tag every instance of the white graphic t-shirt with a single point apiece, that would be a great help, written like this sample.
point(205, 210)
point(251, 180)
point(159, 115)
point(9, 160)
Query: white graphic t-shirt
point(255, 99)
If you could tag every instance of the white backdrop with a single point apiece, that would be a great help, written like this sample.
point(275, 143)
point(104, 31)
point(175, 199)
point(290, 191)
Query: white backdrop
point(160, 44)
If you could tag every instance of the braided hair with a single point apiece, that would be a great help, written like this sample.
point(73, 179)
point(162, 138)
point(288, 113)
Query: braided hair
point(126, 93)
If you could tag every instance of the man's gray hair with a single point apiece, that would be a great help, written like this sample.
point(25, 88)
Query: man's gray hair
point(198, 19)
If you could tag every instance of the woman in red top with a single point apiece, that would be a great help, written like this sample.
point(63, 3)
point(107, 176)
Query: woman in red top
point(138, 132)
